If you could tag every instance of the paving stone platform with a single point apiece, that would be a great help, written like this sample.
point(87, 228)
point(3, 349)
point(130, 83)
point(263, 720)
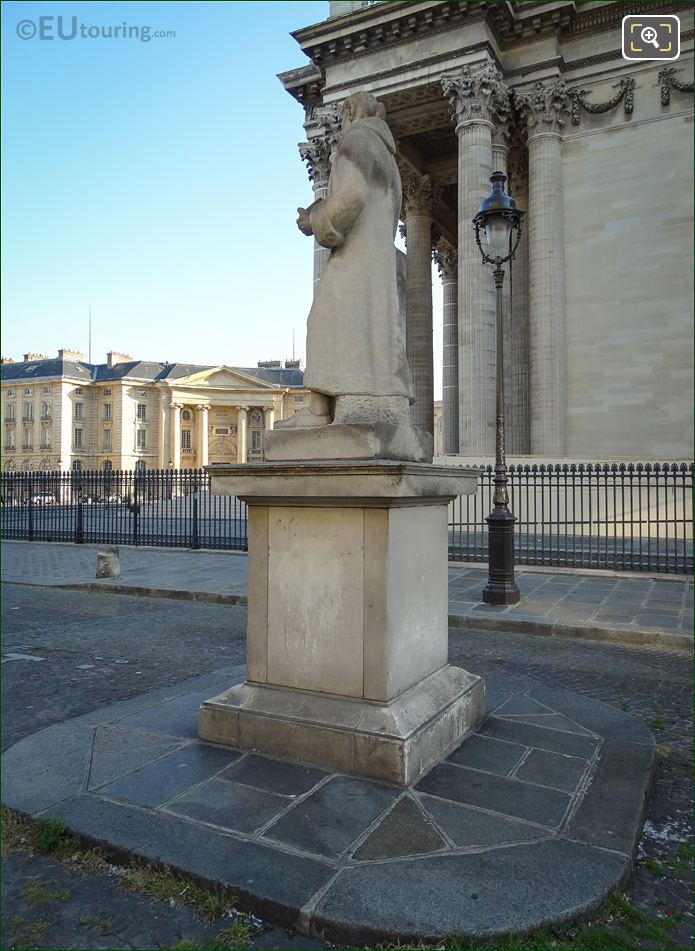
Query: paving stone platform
point(532, 820)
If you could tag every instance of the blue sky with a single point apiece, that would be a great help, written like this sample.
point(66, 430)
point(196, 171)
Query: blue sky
point(157, 181)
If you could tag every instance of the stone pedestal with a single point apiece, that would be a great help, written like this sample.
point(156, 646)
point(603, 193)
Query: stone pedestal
point(347, 622)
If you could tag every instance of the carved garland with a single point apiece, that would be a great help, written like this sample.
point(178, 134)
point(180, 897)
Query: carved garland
point(625, 94)
point(667, 82)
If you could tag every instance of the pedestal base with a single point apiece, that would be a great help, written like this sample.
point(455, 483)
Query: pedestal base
point(397, 742)
point(347, 635)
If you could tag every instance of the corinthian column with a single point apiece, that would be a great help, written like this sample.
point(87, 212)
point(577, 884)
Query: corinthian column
point(175, 427)
point(446, 259)
point(544, 108)
point(478, 98)
point(242, 433)
point(417, 213)
point(516, 339)
point(203, 412)
point(323, 125)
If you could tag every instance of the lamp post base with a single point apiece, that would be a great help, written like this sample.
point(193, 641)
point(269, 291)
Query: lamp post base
point(501, 587)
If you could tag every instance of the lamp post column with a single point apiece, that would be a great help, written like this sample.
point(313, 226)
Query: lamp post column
point(501, 587)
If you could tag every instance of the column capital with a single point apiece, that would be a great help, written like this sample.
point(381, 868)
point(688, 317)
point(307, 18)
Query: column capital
point(544, 107)
point(446, 259)
point(178, 406)
point(243, 409)
point(477, 95)
point(417, 196)
point(323, 128)
point(200, 408)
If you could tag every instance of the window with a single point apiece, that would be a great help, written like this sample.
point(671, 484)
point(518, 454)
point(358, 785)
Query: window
point(9, 412)
point(9, 439)
point(78, 391)
point(79, 410)
point(141, 439)
point(46, 390)
point(143, 393)
point(77, 466)
point(140, 466)
point(45, 410)
point(107, 392)
point(28, 411)
point(78, 439)
point(185, 439)
point(107, 466)
point(256, 441)
point(29, 391)
point(46, 439)
point(26, 440)
point(298, 399)
point(10, 391)
point(107, 411)
point(142, 412)
point(106, 443)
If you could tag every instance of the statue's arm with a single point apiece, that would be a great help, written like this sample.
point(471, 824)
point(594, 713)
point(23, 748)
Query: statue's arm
point(333, 218)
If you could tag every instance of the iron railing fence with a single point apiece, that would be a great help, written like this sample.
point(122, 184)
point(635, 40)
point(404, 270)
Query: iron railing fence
point(617, 516)
point(633, 517)
point(170, 508)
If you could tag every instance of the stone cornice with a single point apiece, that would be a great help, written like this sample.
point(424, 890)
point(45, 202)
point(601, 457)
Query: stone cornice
point(391, 24)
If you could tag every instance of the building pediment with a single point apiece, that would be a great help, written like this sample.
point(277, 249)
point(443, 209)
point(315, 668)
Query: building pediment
point(223, 377)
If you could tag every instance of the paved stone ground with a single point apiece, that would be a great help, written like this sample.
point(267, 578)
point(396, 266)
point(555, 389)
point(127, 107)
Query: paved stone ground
point(73, 629)
point(596, 605)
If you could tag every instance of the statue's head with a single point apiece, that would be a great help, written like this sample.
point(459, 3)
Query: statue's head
point(360, 105)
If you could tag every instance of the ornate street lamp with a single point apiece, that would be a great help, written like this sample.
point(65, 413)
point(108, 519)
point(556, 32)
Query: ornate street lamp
point(500, 221)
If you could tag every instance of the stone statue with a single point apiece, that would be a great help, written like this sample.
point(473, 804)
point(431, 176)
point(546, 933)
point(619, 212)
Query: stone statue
point(356, 364)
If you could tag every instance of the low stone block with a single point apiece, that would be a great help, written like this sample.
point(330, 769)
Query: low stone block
point(108, 562)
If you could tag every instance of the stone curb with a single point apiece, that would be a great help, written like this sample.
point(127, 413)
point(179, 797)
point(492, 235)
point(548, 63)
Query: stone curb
point(544, 627)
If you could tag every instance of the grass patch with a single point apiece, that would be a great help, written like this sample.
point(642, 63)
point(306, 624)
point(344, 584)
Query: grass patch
point(24, 934)
point(680, 860)
point(162, 885)
point(657, 724)
point(50, 838)
point(35, 894)
point(236, 937)
point(49, 835)
point(102, 925)
point(654, 867)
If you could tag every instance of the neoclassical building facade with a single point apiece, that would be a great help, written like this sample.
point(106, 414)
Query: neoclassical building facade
point(597, 151)
point(64, 413)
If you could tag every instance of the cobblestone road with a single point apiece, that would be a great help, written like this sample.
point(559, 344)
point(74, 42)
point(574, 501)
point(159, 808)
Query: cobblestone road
point(97, 648)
